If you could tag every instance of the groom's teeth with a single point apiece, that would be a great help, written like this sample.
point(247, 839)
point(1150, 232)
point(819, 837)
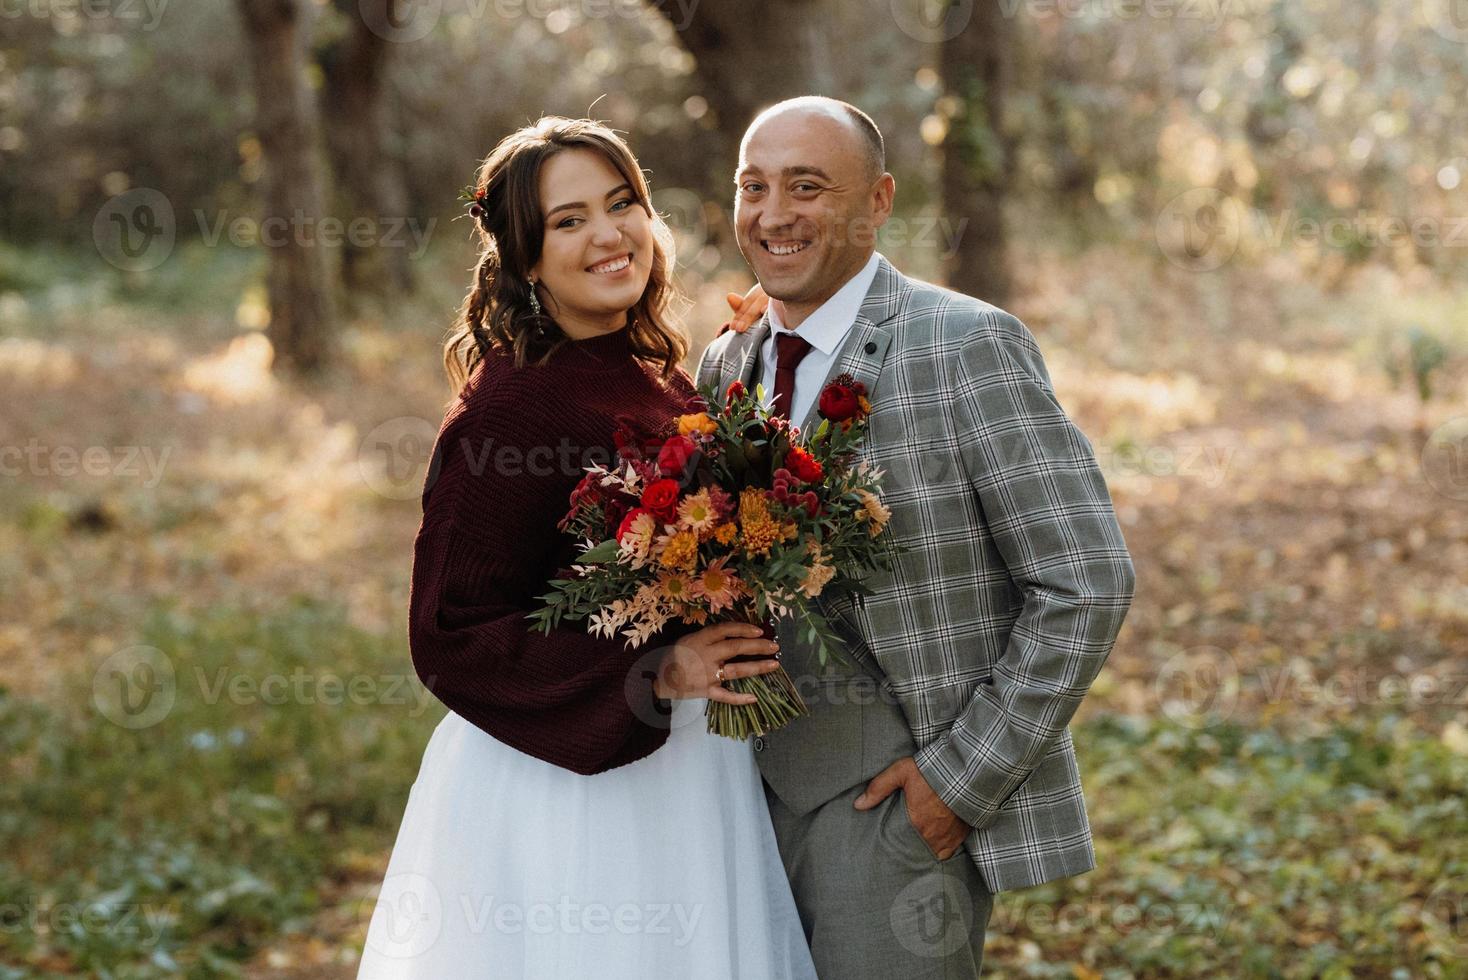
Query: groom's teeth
point(786, 248)
point(613, 265)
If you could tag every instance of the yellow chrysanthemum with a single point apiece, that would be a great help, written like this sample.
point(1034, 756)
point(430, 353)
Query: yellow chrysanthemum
point(679, 550)
point(760, 531)
point(725, 532)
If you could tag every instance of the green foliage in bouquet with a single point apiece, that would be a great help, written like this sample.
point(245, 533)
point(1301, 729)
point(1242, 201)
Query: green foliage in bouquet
point(730, 514)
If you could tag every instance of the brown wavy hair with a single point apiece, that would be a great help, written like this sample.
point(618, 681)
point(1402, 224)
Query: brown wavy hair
point(496, 312)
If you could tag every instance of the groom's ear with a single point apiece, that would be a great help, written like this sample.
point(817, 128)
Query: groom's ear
point(884, 193)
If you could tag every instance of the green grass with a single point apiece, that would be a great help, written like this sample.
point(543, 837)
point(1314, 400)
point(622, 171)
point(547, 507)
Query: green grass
point(1243, 852)
point(180, 846)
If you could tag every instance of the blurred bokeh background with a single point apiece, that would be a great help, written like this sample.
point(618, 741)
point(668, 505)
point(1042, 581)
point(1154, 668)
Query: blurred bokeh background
point(230, 249)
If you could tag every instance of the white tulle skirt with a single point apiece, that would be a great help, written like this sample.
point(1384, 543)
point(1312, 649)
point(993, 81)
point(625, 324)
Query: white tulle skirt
point(509, 868)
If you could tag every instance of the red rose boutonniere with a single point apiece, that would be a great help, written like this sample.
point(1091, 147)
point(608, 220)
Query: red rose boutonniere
point(844, 401)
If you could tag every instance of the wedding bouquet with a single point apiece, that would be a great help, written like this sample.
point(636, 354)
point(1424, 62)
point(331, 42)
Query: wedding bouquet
point(734, 515)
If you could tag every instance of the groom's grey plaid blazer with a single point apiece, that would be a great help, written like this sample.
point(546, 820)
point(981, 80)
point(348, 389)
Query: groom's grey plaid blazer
point(991, 628)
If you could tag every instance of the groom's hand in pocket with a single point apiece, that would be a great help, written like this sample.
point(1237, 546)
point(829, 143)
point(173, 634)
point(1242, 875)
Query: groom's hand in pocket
point(940, 827)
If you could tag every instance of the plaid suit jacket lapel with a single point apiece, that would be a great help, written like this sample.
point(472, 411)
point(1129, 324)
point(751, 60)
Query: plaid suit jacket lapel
point(864, 348)
point(749, 367)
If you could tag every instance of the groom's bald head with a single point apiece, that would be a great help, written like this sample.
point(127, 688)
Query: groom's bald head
point(864, 138)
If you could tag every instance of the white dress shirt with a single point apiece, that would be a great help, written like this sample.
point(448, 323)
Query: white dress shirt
point(824, 330)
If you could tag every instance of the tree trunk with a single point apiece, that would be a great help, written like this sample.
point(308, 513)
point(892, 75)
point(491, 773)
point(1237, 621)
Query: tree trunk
point(976, 152)
point(369, 178)
point(753, 54)
point(302, 315)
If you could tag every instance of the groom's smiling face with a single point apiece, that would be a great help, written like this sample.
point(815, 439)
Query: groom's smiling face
point(807, 205)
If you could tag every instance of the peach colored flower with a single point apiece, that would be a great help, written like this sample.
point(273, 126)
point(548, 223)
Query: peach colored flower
point(816, 578)
point(677, 587)
point(720, 586)
point(875, 512)
point(696, 615)
point(696, 513)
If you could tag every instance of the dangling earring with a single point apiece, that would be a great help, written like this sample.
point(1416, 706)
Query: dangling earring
point(534, 300)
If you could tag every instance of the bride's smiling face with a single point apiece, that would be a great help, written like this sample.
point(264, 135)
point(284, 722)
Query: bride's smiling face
point(597, 251)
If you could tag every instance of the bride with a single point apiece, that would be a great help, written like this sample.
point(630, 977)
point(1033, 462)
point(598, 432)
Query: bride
point(572, 817)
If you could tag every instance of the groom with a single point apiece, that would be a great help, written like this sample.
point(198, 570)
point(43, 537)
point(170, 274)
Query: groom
point(936, 767)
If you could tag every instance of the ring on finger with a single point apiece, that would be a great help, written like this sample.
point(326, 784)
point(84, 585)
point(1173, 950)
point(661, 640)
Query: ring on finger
point(720, 675)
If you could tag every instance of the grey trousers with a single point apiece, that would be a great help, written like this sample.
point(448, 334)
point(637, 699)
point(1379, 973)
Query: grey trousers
point(875, 902)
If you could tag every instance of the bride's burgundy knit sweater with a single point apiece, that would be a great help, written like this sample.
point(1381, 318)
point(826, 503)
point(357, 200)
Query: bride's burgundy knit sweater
point(508, 455)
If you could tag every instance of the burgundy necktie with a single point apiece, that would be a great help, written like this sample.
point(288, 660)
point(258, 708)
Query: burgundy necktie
point(790, 348)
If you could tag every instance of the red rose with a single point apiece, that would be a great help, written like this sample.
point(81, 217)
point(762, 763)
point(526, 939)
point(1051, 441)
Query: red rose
point(626, 524)
point(806, 467)
point(840, 402)
point(736, 390)
point(661, 497)
point(674, 456)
